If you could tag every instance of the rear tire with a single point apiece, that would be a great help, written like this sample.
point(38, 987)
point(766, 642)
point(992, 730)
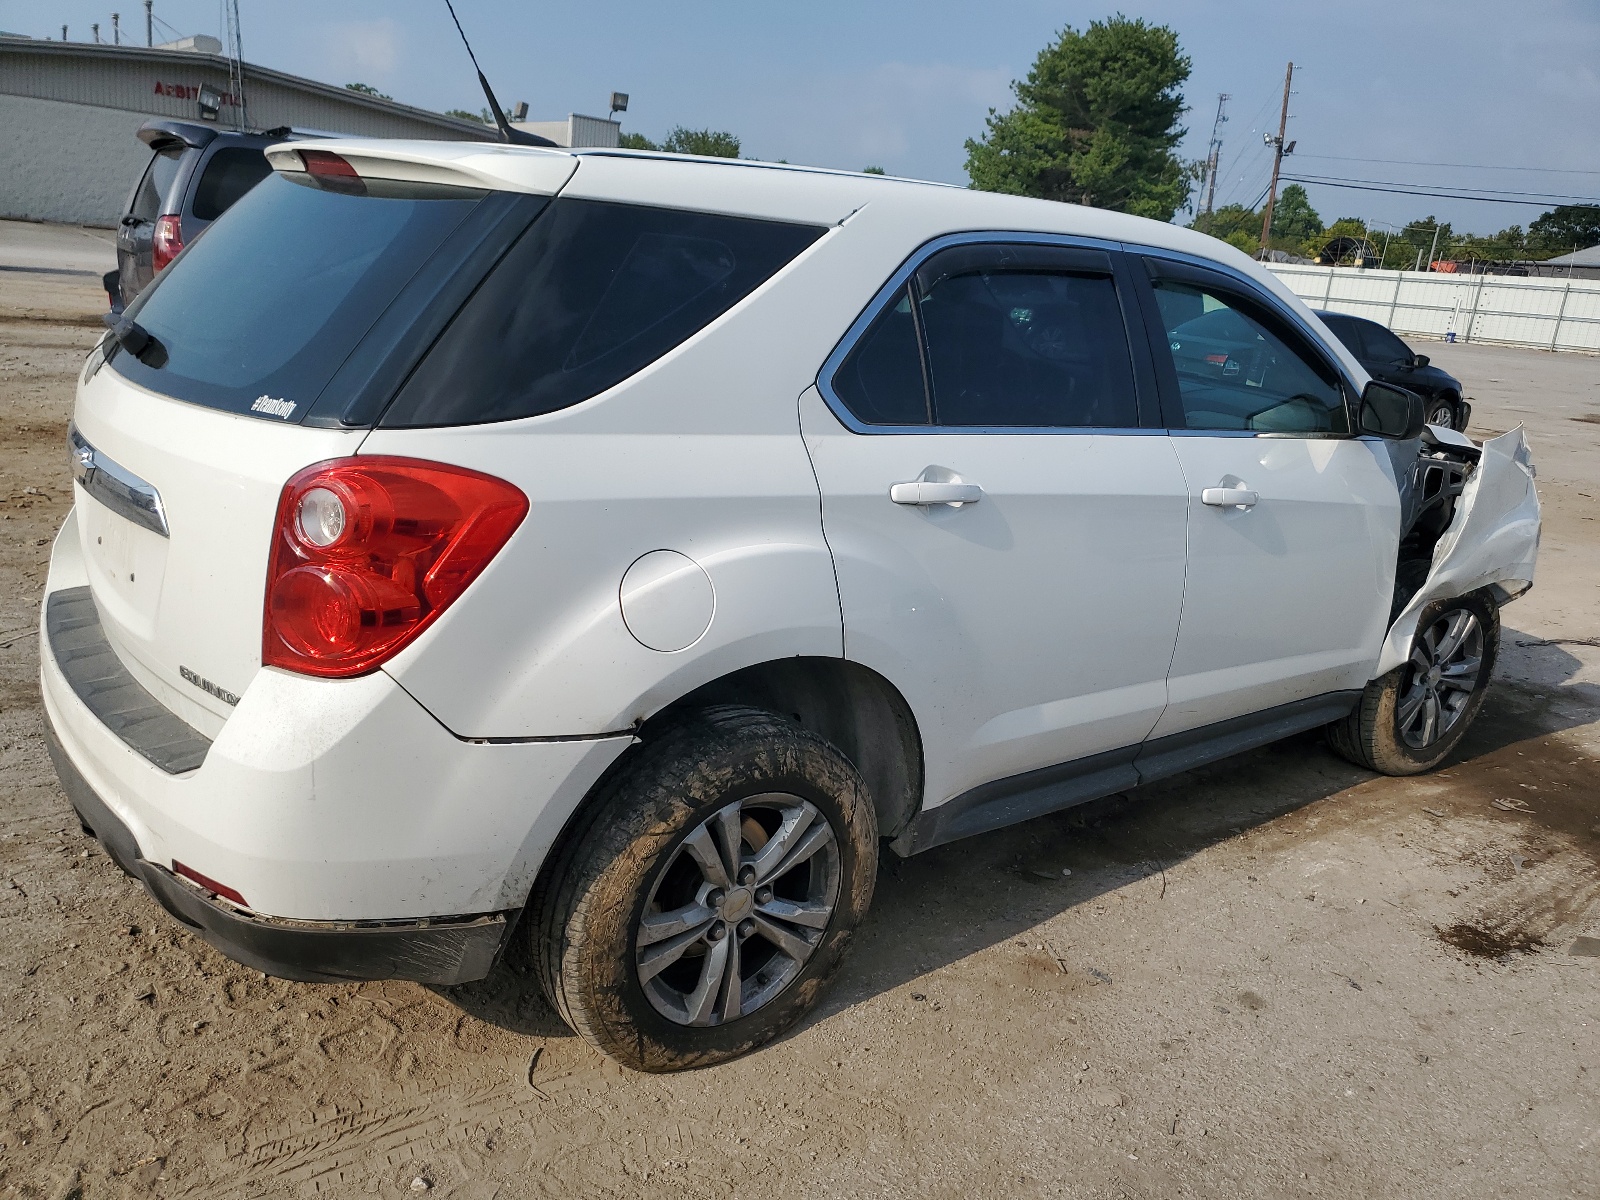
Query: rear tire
point(748, 940)
point(1409, 720)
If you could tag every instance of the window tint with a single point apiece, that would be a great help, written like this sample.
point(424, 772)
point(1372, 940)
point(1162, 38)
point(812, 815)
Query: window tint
point(1237, 370)
point(1013, 344)
point(1382, 346)
point(157, 182)
point(275, 295)
point(230, 173)
point(1345, 330)
point(592, 293)
point(881, 379)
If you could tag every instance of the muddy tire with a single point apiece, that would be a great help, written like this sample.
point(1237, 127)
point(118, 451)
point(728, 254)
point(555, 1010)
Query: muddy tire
point(710, 893)
point(1409, 720)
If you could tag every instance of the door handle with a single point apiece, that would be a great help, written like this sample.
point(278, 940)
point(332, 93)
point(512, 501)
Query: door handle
point(923, 491)
point(1229, 497)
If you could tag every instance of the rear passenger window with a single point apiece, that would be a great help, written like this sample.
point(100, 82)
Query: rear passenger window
point(1007, 335)
point(880, 381)
point(592, 293)
point(157, 182)
point(232, 172)
point(1017, 344)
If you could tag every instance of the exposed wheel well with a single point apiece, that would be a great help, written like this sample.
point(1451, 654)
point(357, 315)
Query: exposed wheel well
point(855, 708)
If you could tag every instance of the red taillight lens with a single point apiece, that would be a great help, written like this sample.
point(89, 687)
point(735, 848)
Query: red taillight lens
point(367, 551)
point(167, 241)
point(333, 172)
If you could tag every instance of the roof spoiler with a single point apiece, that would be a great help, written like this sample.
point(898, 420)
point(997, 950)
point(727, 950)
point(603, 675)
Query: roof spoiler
point(161, 132)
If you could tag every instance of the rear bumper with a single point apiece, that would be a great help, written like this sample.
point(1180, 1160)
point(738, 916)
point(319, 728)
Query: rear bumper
point(429, 951)
point(333, 807)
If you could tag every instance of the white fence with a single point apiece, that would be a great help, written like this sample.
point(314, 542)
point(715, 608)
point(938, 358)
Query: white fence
point(1552, 314)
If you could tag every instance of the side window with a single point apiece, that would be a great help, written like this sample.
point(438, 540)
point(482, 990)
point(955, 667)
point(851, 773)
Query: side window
point(1345, 331)
point(1015, 341)
point(1238, 369)
point(1382, 346)
point(880, 381)
point(592, 293)
point(155, 185)
point(232, 172)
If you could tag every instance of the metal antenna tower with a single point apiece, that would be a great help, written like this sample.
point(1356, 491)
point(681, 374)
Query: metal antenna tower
point(235, 51)
point(1214, 159)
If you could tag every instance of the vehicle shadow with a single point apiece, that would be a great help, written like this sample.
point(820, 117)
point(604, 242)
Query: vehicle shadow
point(953, 901)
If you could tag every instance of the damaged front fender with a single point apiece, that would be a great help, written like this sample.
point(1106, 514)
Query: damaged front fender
point(1492, 542)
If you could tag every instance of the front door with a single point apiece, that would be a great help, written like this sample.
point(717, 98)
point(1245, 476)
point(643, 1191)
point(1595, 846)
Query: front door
point(1293, 523)
point(1009, 540)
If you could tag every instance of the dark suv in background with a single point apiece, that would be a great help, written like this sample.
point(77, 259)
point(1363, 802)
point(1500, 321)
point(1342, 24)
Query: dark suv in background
point(196, 173)
point(1390, 360)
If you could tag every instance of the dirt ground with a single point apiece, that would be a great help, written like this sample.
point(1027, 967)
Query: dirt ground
point(1278, 976)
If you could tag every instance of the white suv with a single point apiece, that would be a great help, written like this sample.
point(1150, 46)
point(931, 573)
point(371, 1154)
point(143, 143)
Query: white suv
point(607, 551)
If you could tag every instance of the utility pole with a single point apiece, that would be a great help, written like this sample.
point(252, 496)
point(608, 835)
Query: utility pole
point(1213, 163)
point(95, 29)
point(1277, 158)
point(116, 29)
point(149, 23)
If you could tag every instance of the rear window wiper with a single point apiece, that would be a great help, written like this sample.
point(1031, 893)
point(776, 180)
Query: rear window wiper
point(140, 342)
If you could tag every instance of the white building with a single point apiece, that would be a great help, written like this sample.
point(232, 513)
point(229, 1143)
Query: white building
point(69, 111)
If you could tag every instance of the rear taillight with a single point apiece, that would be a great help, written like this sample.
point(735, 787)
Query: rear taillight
point(168, 240)
point(367, 551)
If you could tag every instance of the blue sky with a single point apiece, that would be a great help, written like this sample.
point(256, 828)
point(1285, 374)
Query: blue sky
point(1482, 85)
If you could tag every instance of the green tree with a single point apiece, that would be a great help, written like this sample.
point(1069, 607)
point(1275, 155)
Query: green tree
point(1565, 228)
point(1294, 222)
point(873, 171)
point(1096, 122)
point(636, 141)
point(709, 142)
point(1228, 220)
point(366, 89)
point(483, 116)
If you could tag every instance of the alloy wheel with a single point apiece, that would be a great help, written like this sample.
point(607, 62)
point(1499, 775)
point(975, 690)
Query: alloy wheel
point(1445, 663)
point(734, 915)
point(1443, 414)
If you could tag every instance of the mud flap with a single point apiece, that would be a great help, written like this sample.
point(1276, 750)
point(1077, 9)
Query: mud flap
point(1493, 541)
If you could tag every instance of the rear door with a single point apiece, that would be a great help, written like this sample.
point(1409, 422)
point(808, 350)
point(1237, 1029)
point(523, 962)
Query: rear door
point(1293, 523)
point(1008, 537)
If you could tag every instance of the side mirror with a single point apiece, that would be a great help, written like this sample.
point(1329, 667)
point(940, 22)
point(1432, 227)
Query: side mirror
point(1391, 412)
point(1418, 361)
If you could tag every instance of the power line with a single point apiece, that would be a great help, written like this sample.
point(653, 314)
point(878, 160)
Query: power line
point(1401, 190)
point(1406, 162)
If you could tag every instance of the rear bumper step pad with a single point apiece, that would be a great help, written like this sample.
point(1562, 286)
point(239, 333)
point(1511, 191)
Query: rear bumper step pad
point(97, 676)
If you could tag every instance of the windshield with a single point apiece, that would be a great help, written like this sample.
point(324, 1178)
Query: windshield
point(258, 313)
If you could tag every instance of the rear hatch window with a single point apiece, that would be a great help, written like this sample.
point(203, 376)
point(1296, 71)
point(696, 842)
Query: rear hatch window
point(149, 198)
point(230, 173)
point(591, 293)
point(260, 310)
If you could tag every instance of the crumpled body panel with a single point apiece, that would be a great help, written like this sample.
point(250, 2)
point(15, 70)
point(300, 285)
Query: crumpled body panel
point(1492, 542)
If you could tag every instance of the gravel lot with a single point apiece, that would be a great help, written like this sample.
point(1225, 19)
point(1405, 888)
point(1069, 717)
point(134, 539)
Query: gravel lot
point(1277, 976)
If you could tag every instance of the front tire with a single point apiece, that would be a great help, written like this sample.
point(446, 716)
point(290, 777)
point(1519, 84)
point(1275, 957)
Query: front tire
point(1409, 720)
point(1442, 411)
point(711, 893)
